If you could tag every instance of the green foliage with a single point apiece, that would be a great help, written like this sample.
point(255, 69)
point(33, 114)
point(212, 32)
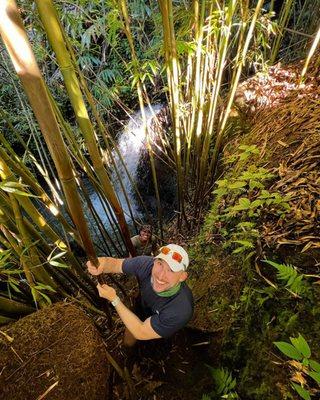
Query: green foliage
point(289, 275)
point(40, 289)
point(241, 200)
point(52, 259)
point(224, 384)
point(247, 151)
point(299, 351)
point(10, 271)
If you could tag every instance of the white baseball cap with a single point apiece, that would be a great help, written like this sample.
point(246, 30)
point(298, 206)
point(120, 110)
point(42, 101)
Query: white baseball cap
point(175, 256)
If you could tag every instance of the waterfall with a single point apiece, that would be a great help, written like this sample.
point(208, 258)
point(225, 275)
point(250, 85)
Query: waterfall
point(130, 144)
point(131, 141)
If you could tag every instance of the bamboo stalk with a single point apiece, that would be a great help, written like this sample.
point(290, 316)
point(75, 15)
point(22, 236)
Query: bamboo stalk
point(52, 27)
point(17, 44)
point(102, 127)
point(12, 307)
point(285, 13)
point(222, 53)
point(310, 54)
point(172, 66)
point(16, 41)
point(225, 115)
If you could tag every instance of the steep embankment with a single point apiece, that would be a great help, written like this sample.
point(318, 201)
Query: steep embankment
point(266, 207)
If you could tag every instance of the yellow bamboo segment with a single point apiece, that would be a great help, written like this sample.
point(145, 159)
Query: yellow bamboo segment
point(15, 39)
point(225, 115)
point(310, 54)
point(54, 32)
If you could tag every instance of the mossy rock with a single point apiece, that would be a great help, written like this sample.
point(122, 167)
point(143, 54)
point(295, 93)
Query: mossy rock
point(56, 350)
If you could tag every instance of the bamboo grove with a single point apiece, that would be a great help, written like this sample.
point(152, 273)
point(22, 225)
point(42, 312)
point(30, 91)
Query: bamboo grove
point(206, 48)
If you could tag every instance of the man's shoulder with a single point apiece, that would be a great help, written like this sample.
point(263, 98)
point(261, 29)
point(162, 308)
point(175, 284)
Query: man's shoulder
point(139, 266)
point(184, 301)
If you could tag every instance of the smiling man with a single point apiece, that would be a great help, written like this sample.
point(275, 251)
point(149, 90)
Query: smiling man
point(165, 303)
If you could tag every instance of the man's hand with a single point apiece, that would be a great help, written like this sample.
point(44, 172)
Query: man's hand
point(107, 292)
point(94, 270)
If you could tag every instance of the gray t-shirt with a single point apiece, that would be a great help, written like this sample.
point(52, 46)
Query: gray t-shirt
point(168, 314)
point(143, 249)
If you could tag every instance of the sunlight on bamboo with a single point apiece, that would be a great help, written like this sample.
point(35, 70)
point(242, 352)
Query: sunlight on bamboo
point(310, 54)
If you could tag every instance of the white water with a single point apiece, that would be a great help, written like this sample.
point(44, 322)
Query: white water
point(131, 141)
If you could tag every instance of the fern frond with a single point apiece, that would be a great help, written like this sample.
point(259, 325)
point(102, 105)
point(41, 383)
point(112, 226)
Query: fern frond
point(289, 275)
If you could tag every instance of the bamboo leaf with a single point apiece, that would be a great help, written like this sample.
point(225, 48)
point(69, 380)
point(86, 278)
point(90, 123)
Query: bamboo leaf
point(16, 188)
point(58, 255)
point(58, 264)
point(14, 287)
point(46, 297)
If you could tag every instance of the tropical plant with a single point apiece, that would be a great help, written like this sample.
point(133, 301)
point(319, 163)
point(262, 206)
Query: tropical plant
point(19, 227)
point(224, 384)
point(288, 274)
point(302, 365)
point(241, 199)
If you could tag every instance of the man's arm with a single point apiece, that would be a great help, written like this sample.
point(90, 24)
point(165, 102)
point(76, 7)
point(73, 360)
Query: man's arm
point(107, 265)
point(139, 329)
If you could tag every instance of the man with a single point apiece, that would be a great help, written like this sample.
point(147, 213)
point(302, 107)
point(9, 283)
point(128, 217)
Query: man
point(145, 242)
point(165, 299)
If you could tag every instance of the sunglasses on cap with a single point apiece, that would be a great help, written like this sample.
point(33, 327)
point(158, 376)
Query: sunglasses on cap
point(175, 255)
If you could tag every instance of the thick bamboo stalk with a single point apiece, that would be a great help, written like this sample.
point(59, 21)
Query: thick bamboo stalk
point(12, 307)
point(52, 27)
point(16, 41)
point(103, 130)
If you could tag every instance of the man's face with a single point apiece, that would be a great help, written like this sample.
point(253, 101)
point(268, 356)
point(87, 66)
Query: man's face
point(145, 236)
point(163, 277)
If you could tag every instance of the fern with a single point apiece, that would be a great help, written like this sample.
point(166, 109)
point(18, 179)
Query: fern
point(290, 276)
point(224, 382)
